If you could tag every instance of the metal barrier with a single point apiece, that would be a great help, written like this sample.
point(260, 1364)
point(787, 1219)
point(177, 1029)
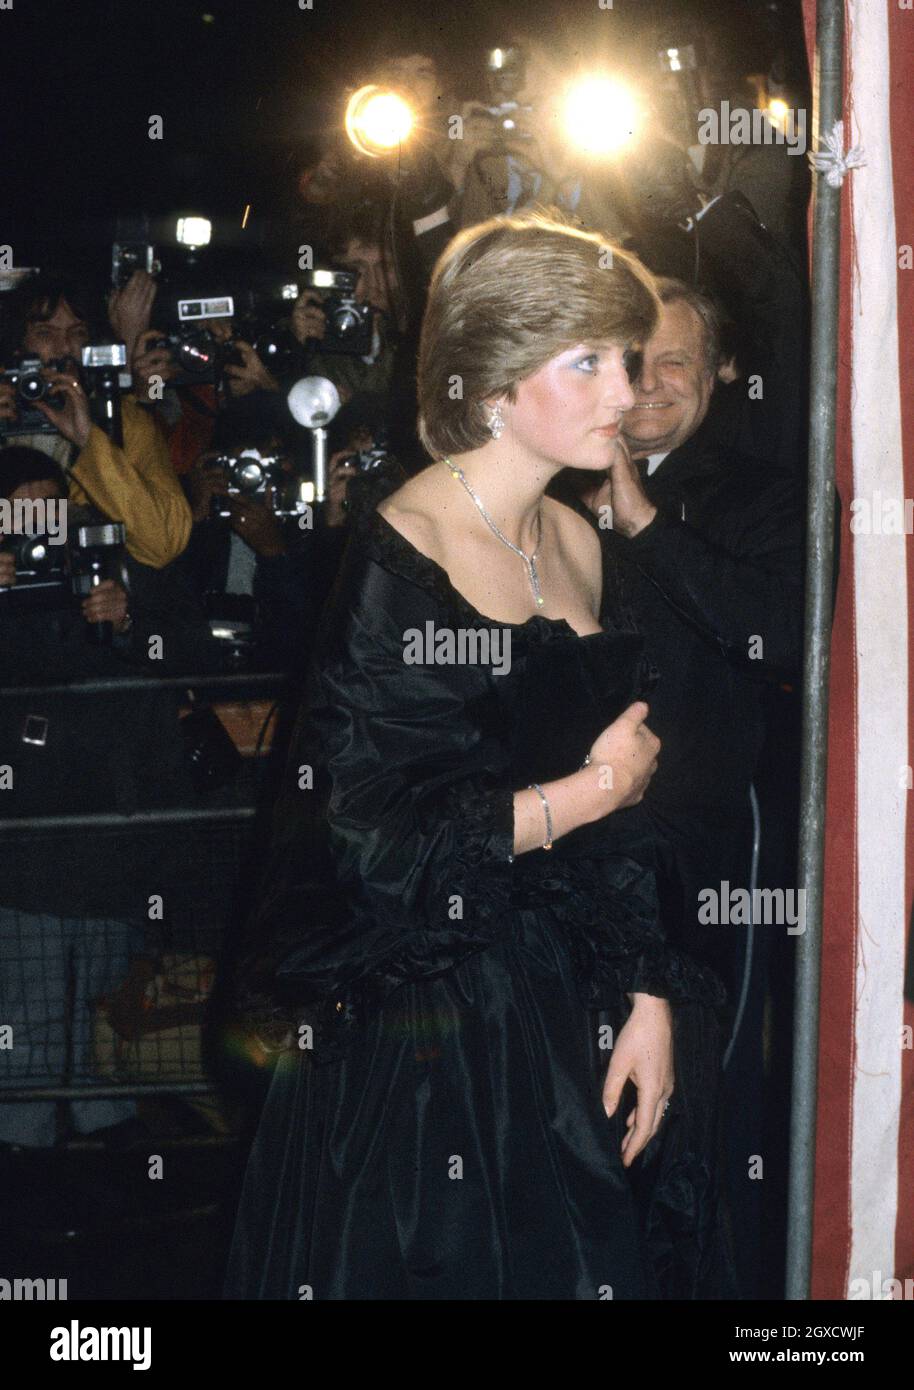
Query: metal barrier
point(98, 1008)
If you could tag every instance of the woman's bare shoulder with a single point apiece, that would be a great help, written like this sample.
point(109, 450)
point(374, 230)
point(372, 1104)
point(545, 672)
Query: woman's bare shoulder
point(576, 533)
point(415, 509)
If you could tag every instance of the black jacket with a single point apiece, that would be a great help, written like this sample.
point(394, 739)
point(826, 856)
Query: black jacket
point(718, 567)
point(714, 578)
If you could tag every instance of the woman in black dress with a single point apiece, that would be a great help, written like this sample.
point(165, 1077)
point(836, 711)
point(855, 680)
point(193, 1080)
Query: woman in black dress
point(483, 1102)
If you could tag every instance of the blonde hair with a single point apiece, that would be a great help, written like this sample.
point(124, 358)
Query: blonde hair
point(507, 296)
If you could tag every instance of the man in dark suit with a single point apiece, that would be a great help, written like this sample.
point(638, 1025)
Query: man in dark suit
point(708, 543)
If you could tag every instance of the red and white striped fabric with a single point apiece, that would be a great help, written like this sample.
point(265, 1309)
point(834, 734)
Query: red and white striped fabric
point(864, 1218)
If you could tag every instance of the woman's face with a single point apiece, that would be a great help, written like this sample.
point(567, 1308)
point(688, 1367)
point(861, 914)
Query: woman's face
point(569, 411)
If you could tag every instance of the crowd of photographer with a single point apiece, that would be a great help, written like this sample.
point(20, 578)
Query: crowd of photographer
point(157, 521)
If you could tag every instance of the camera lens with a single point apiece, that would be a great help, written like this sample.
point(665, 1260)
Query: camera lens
point(346, 322)
point(32, 387)
point(277, 350)
point(195, 354)
point(247, 474)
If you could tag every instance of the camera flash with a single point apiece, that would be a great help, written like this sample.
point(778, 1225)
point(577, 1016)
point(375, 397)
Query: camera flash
point(194, 231)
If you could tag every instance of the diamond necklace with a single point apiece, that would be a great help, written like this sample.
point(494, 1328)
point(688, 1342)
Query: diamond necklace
point(529, 560)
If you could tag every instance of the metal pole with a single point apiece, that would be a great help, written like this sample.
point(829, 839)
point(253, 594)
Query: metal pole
point(114, 1091)
point(829, 94)
point(89, 820)
point(117, 684)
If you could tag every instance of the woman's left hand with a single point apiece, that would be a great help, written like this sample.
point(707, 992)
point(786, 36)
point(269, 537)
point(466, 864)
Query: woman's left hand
point(643, 1054)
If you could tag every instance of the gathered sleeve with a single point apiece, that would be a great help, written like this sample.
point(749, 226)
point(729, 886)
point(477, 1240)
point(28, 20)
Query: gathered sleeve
point(419, 807)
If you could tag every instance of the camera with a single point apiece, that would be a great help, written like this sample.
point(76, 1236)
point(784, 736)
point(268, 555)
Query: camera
point(103, 365)
point(97, 554)
point(262, 320)
point(104, 369)
point(375, 459)
point(679, 96)
point(276, 346)
point(249, 474)
point(350, 326)
point(128, 256)
point(505, 77)
point(197, 353)
point(26, 376)
point(53, 576)
point(233, 621)
point(41, 567)
point(369, 464)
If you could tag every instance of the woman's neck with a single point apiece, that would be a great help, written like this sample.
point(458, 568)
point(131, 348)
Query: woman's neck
point(510, 489)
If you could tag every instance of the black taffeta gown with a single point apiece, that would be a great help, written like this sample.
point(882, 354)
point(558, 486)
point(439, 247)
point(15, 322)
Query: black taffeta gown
point(444, 1137)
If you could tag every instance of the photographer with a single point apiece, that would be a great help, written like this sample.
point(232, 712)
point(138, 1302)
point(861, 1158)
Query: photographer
point(74, 906)
point(513, 152)
point(187, 409)
point(378, 388)
point(358, 249)
point(50, 321)
point(266, 565)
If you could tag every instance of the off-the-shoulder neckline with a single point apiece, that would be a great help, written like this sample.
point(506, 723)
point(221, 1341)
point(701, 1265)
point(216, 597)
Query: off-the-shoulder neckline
point(442, 579)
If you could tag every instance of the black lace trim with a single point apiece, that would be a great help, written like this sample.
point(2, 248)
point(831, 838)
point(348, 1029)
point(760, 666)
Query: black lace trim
point(609, 913)
point(383, 543)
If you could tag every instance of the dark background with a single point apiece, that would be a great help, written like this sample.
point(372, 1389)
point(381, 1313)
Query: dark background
point(236, 91)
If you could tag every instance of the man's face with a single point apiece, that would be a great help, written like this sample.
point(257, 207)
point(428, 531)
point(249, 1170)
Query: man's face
point(367, 263)
point(63, 335)
point(674, 387)
point(569, 411)
point(416, 76)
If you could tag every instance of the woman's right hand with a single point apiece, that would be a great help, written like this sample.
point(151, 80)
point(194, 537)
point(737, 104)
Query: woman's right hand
point(623, 760)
